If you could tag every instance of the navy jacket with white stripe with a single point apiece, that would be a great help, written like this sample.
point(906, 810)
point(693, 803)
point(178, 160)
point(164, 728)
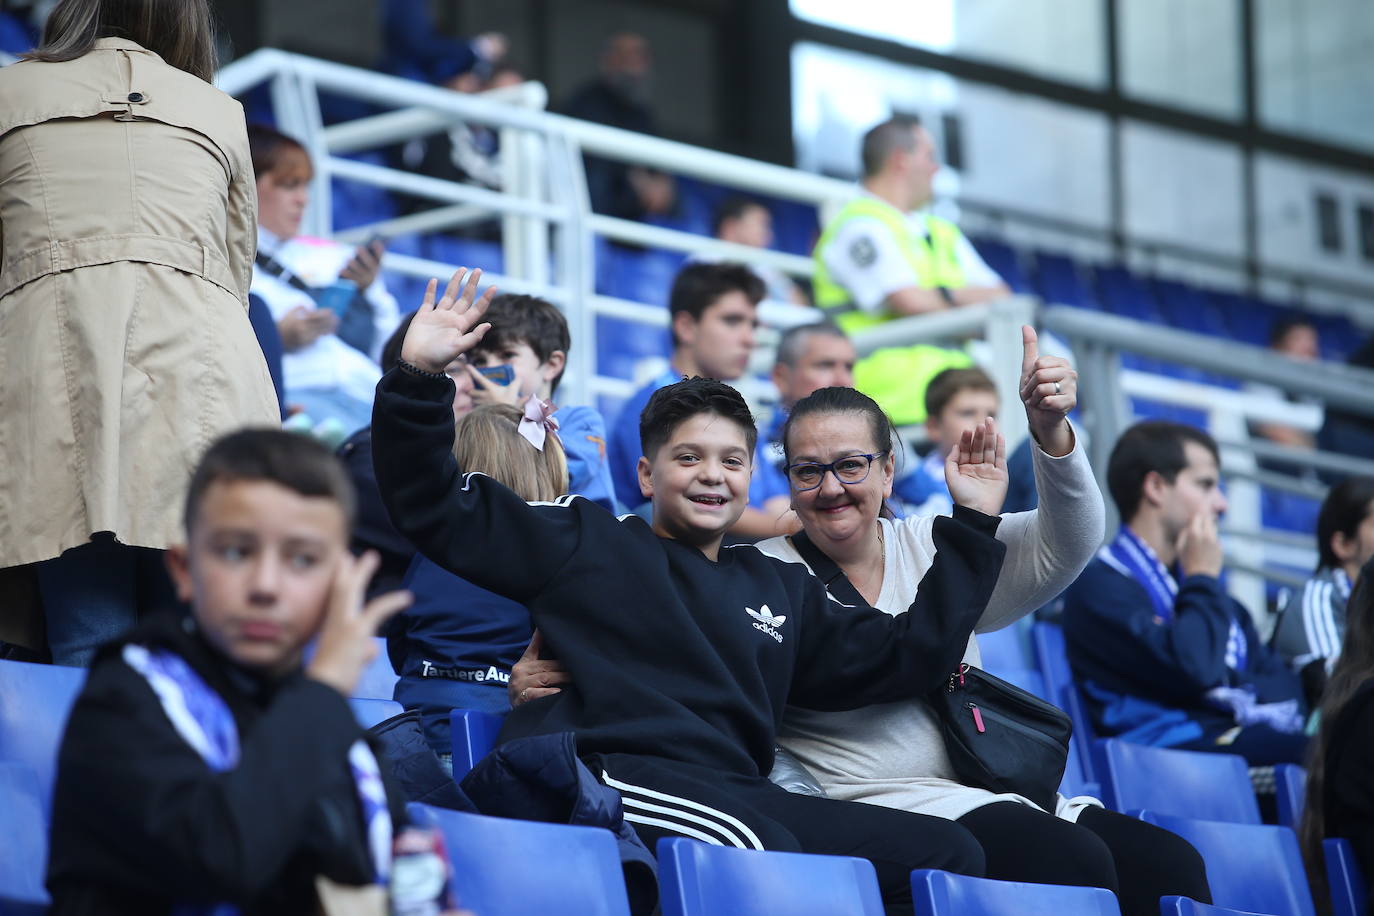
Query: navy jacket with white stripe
point(671, 655)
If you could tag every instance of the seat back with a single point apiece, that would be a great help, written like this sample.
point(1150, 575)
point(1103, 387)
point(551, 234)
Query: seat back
point(1290, 785)
point(369, 712)
point(1005, 650)
point(697, 879)
point(513, 868)
point(474, 735)
point(23, 823)
point(1344, 882)
point(939, 893)
point(1214, 787)
point(1051, 656)
point(35, 701)
point(379, 678)
point(1254, 867)
point(1187, 906)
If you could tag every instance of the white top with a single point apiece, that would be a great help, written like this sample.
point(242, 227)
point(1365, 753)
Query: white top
point(328, 362)
point(865, 259)
point(893, 754)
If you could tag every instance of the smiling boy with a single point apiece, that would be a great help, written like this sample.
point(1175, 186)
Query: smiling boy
point(676, 693)
point(202, 764)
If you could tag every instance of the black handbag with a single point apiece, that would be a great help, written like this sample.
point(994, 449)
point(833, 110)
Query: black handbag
point(997, 736)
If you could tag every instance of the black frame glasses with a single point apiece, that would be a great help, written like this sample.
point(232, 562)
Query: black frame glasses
point(831, 467)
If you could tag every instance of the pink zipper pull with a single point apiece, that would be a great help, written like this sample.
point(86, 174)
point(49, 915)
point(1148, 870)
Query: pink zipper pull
point(977, 719)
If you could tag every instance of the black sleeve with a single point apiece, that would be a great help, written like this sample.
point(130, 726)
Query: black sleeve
point(467, 523)
point(136, 806)
point(853, 657)
point(1349, 795)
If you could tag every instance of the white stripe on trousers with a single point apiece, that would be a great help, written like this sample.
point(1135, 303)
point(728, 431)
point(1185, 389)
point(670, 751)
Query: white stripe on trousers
point(682, 810)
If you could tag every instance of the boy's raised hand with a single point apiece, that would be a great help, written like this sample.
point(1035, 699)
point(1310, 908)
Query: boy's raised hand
point(346, 646)
point(976, 469)
point(442, 331)
point(1049, 389)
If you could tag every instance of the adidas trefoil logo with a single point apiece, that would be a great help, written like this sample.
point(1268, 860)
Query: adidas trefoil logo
point(765, 622)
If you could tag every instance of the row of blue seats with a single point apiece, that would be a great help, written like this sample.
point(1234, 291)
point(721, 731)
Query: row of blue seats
point(1250, 869)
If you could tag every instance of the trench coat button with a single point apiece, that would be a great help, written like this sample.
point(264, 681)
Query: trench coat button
point(135, 97)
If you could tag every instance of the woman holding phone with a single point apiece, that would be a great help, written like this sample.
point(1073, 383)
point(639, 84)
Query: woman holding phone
point(126, 246)
point(329, 301)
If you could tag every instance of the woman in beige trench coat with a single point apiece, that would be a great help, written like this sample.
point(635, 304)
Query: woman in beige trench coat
point(127, 233)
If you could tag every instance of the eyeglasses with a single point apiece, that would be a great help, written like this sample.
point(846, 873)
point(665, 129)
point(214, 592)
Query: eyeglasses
point(851, 469)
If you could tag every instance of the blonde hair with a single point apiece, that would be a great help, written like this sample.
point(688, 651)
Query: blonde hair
point(487, 439)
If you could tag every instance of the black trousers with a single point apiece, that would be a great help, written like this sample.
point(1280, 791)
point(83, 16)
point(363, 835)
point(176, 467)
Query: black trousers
point(1137, 861)
point(666, 798)
point(1260, 745)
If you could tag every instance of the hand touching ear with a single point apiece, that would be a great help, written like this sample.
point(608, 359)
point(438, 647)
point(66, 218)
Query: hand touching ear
point(442, 331)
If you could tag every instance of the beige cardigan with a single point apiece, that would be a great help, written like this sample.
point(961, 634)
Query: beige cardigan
point(127, 230)
point(893, 754)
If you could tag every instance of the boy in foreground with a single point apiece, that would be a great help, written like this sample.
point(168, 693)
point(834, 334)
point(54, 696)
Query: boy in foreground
point(202, 765)
point(682, 655)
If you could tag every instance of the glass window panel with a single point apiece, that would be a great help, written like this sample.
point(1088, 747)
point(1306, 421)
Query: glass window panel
point(1061, 39)
point(1290, 230)
point(1018, 151)
point(1184, 53)
point(1314, 68)
point(1181, 189)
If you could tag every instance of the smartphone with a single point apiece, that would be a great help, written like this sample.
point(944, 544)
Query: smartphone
point(501, 375)
point(337, 296)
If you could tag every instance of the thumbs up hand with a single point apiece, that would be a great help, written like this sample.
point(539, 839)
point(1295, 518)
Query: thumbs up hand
point(1049, 389)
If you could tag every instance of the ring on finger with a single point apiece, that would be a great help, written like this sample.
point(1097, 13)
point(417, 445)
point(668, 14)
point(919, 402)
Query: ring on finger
point(1056, 387)
point(524, 694)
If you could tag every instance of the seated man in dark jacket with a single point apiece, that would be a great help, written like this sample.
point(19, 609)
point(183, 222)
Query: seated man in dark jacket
point(1163, 654)
point(202, 764)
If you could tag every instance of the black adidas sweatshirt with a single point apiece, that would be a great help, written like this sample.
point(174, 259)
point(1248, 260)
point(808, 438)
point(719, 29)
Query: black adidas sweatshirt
point(671, 655)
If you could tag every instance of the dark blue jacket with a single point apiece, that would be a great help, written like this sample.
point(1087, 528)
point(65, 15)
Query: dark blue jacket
point(456, 638)
point(1145, 678)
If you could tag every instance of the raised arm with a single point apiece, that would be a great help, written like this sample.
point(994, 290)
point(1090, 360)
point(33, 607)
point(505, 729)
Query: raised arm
point(467, 523)
point(853, 657)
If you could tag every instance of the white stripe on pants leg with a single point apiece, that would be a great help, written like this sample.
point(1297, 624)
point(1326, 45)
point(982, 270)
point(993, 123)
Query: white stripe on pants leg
point(683, 808)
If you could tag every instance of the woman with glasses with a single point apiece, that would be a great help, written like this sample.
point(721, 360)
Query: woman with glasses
point(840, 462)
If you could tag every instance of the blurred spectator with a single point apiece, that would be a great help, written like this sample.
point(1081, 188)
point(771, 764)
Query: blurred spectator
point(329, 301)
point(18, 26)
point(126, 356)
point(955, 400)
point(415, 49)
point(745, 221)
point(1295, 338)
point(713, 309)
point(467, 153)
point(1346, 431)
point(809, 357)
point(884, 257)
point(1164, 656)
point(1311, 627)
point(620, 98)
point(1341, 769)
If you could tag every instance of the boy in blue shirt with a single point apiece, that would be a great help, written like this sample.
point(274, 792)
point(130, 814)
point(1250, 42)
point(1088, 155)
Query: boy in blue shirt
point(531, 336)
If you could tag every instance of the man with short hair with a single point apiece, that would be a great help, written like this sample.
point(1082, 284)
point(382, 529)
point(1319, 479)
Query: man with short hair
point(1163, 655)
point(746, 221)
point(809, 357)
point(884, 257)
point(713, 311)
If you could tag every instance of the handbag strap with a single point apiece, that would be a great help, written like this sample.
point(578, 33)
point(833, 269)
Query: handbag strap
point(828, 571)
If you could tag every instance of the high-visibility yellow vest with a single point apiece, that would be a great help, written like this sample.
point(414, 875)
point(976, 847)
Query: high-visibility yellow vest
point(895, 377)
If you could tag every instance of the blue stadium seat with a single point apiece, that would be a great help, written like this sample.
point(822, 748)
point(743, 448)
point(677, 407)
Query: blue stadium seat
point(23, 823)
point(1289, 511)
point(1126, 294)
point(356, 204)
point(1051, 657)
point(1186, 906)
point(697, 879)
point(1253, 867)
point(621, 345)
point(379, 680)
point(516, 868)
point(939, 893)
point(465, 253)
point(34, 703)
point(473, 733)
point(1047, 641)
point(1290, 783)
point(1189, 308)
point(638, 275)
point(1004, 259)
point(1005, 649)
point(1057, 281)
point(1344, 881)
point(369, 712)
point(1184, 783)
